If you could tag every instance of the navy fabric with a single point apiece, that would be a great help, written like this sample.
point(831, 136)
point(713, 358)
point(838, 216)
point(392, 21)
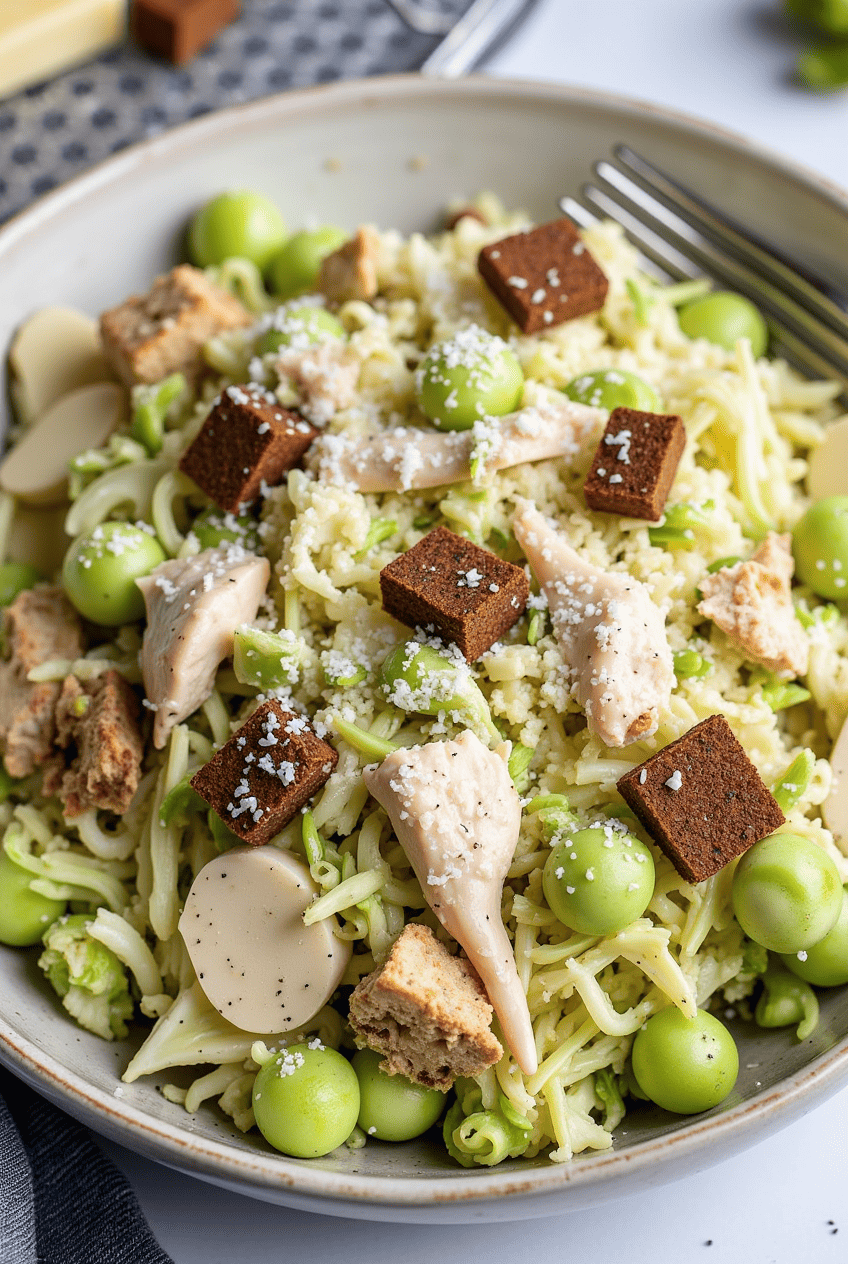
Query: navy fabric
point(61, 1200)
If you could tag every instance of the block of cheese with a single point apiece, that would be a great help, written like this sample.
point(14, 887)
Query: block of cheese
point(38, 38)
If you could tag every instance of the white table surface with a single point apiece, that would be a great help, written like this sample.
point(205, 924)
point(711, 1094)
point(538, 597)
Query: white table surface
point(783, 1202)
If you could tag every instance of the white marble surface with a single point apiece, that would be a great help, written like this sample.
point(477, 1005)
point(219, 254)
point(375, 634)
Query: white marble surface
point(784, 1201)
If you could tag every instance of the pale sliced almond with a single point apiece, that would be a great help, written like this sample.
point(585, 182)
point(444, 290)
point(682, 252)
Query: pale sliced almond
point(828, 469)
point(255, 960)
point(36, 469)
point(835, 806)
point(38, 537)
point(56, 351)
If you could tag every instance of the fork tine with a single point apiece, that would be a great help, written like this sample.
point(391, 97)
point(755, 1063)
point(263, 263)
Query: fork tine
point(664, 261)
point(619, 195)
point(805, 285)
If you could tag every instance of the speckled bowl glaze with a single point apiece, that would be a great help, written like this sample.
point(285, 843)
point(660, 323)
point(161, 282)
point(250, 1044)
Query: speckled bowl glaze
point(393, 151)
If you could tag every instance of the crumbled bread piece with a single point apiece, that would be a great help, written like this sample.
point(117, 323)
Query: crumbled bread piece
point(97, 721)
point(426, 1011)
point(351, 271)
point(162, 332)
point(635, 463)
point(470, 595)
point(248, 439)
point(543, 277)
point(702, 799)
point(39, 625)
point(268, 770)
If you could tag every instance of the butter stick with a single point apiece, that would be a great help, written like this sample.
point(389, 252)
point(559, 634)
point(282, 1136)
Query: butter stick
point(38, 38)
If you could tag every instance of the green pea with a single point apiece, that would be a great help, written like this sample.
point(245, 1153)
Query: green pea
point(391, 1107)
point(295, 267)
point(100, 571)
point(685, 1065)
point(300, 327)
point(16, 577)
point(787, 1002)
point(467, 377)
point(237, 225)
point(826, 963)
point(723, 318)
point(613, 388)
point(306, 1100)
point(824, 68)
point(418, 678)
point(599, 880)
point(786, 893)
point(820, 548)
point(212, 527)
point(828, 15)
point(24, 914)
point(690, 665)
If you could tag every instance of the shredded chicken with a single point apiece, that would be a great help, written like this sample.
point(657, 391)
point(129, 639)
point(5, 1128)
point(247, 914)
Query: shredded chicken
point(611, 634)
point(412, 459)
point(456, 814)
point(39, 625)
point(351, 271)
point(752, 603)
point(193, 608)
point(324, 374)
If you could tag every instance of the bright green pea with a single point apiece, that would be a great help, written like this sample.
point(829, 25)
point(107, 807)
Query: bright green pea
point(690, 665)
point(16, 577)
point(391, 1107)
point(824, 68)
point(306, 1100)
point(685, 1065)
point(467, 377)
point(820, 548)
point(100, 571)
point(212, 527)
point(237, 225)
point(785, 1002)
point(723, 318)
point(300, 327)
point(613, 388)
point(599, 880)
point(418, 678)
point(826, 963)
point(295, 267)
point(786, 893)
point(828, 15)
point(24, 914)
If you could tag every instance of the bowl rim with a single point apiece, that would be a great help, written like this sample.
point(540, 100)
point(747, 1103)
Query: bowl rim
point(269, 1174)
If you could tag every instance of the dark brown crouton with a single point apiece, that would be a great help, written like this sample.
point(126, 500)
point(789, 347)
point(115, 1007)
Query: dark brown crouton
point(426, 1011)
point(98, 724)
point(702, 799)
point(248, 439)
point(265, 773)
point(543, 277)
point(351, 271)
point(177, 29)
point(469, 595)
point(39, 625)
point(152, 335)
point(635, 464)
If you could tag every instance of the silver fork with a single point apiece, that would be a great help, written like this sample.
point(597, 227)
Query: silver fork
point(682, 237)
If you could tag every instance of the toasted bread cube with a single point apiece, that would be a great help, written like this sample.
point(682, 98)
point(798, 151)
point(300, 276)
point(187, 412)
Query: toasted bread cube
point(98, 723)
point(162, 332)
point(426, 1011)
point(635, 464)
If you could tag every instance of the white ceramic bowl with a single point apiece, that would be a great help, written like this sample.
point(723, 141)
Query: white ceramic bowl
point(393, 151)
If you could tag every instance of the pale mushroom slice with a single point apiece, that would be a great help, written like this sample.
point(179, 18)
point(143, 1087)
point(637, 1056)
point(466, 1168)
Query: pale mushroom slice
point(611, 634)
point(36, 469)
point(835, 806)
point(55, 351)
point(410, 458)
point(194, 606)
point(257, 963)
point(827, 472)
point(456, 814)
